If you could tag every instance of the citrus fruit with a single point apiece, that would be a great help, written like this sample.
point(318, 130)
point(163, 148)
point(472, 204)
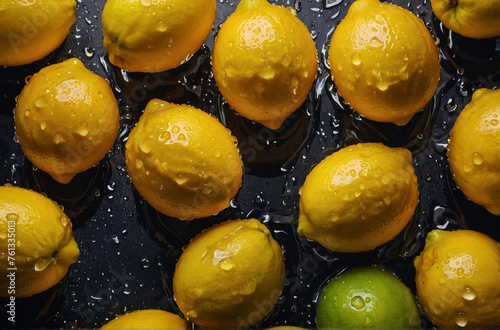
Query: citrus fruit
point(32, 29)
point(36, 245)
point(264, 62)
point(183, 161)
point(66, 119)
point(358, 198)
point(384, 61)
point(147, 319)
point(230, 275)
point(473, 19)
point(366, 297)
point(155, 35)
point(457, 276)
point(474, 149)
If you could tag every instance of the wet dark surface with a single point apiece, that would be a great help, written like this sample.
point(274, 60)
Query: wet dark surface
point(128, 250)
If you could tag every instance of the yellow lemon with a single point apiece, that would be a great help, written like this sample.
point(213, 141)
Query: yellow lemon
point(264, 62)
point(32, 29)
point(147, 319)
point(155, 35)
point(36, 245)
point(183, 161)
point(473, 19)
point(229, 276)
point(474, 149)
point(384, 61)
point(66, 119)
point(358, 198)
point(457, 276)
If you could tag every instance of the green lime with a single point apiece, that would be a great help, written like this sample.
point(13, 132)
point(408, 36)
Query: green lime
point(367, 297)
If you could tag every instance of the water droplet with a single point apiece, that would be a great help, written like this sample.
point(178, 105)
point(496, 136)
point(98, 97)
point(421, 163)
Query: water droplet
point(146, 2)
point(58, 138)
point(356, 59)
point(64, 221)
point(145, 263)
point(115, 239)
point(43, 125)
point(146, 146)
point(494, 122)
point(451, 105)
point(181, 179)
point(226, 264)
point(161, 26)
point(358, 302)
point(82, 130)
point(468, 293)
point(89, 52)
point(191, 314)
point(461, 319)
point(27, 113)
point(382, 85)
point(267, 73)
point(43, 263)
point(286, 59)
point(12, 217)
point(477, 158)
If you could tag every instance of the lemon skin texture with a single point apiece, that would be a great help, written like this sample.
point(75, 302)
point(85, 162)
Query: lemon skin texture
point(229, 276)
point(41, 236)
point(358, 198)
point(147, 319)
point(366, 297)
point(183, 161)
point(469, 18)
point(66, 119)
point(474, 149)
point(384, 61)
point(264, 62)
point(155, 35)
point(457, 276)
point(32, 29)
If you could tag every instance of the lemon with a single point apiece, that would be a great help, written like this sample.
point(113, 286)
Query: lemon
point(474, 149)
point(66, 119)
point(384, 61)
point(147, 319)
point(457, 276)
point(358, 198)
point(264, 62)
point(367, 297)
point(229, 276)
point(155, 35)
point(32, 29)
point(183, 161)
point(473, 19)
point(36, 242)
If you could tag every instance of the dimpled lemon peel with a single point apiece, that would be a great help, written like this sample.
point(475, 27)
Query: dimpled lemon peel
point(472, 19)
point(183, 161)
point(32, 29)
point(384, 61)
point(264, 62)
point(358, 198)
point(147, 319)
point(66, 119)
point(457, 276)
point(230, 275)
point(155, 35)
point(41, 236)
point(474, 149)
point(366, 297)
